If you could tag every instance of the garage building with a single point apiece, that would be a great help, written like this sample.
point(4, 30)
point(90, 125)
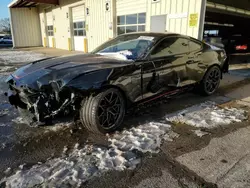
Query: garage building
point(82, 25)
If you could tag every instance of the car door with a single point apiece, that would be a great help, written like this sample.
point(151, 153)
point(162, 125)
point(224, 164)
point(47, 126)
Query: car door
point(161, 72)
point(195, 66)
point(179, 53)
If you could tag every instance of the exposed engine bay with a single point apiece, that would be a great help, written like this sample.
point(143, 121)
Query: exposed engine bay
point(46, 104)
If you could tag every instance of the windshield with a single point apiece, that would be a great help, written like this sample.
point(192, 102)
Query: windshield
point(130, 47)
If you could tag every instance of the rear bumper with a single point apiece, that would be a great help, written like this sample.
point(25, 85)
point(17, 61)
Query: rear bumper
point(225, 68)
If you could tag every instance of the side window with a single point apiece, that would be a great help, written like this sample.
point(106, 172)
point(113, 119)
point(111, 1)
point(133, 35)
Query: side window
point(170, 46)
point(193, 46)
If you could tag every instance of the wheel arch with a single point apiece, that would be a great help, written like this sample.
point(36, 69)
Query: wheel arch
point(200, 87)
point(217, 65)
point(128, 101)
point(213, 65)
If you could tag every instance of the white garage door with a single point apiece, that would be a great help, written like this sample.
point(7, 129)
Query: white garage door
point(49, 27)
point(79, 32)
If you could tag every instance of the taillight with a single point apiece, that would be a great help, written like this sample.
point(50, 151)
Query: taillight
point(241, 47)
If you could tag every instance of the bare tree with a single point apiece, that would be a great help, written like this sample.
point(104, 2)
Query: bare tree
point(5, 25)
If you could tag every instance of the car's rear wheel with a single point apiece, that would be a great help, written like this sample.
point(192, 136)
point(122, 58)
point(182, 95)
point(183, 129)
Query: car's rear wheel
point(104, 112)
point(211, 81)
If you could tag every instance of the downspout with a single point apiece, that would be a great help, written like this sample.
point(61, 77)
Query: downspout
point(202, 19)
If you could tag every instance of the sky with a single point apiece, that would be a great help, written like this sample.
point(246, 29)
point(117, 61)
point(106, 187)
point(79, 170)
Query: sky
point(4, 12)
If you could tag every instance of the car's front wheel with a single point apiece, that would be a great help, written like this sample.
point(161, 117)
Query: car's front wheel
point(104, 112)
point(211, 81)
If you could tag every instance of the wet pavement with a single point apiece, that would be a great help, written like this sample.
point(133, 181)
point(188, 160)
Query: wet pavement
point(22, 146)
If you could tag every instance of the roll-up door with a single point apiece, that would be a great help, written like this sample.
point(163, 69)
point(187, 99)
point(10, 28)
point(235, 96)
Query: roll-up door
point(49, 27)
point(79, 33)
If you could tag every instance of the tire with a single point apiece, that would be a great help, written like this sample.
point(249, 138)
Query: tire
point(210, 81)
point(104, 112)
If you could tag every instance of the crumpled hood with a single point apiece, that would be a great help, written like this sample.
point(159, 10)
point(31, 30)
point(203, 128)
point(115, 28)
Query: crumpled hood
point(82, 61)
point(66, 68)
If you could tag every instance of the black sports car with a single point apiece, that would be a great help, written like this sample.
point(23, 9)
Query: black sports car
point(102, 85)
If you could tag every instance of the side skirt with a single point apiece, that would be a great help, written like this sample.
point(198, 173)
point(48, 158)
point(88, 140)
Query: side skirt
point(166, 94)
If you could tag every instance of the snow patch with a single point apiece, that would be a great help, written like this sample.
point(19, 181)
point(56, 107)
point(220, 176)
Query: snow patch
point(4, 125)
point(4, 112)
point(5, 69)
point(122, 55)
point(19, 56)
point(115, 55)
point(170, 136)
point(82, 164)
point(65, 149)
point(207, 115)
point(19, 120)
point(58, 126)
point(7, 170)
point(200, 133)
point(144, 138)
point(3, 145)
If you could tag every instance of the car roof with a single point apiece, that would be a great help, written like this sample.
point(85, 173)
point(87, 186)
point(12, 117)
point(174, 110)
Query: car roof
point(159, 35)
point(153, 34)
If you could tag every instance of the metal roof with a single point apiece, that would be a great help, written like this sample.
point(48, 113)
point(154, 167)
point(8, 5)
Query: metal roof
point(242, 4)
point(31, 3)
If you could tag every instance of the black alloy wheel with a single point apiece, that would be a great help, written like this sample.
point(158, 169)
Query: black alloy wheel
point(104, 112)
point(211, 81)
point(109, 110)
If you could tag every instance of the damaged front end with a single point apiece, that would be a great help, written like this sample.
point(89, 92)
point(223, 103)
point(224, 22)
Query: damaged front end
point(49, 101)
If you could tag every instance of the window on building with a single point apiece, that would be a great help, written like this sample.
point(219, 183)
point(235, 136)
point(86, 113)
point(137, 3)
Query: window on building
point(50, 30)
point(79, 28)
point(171, 46)
point(131, 23)
point(211, 32)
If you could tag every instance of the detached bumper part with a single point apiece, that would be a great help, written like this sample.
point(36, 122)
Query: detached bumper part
point(15, 100)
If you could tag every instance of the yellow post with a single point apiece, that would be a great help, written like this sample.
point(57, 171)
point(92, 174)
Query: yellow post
point(69, 44)
point(44, 42)
point(53, 42)
point(85, 45)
